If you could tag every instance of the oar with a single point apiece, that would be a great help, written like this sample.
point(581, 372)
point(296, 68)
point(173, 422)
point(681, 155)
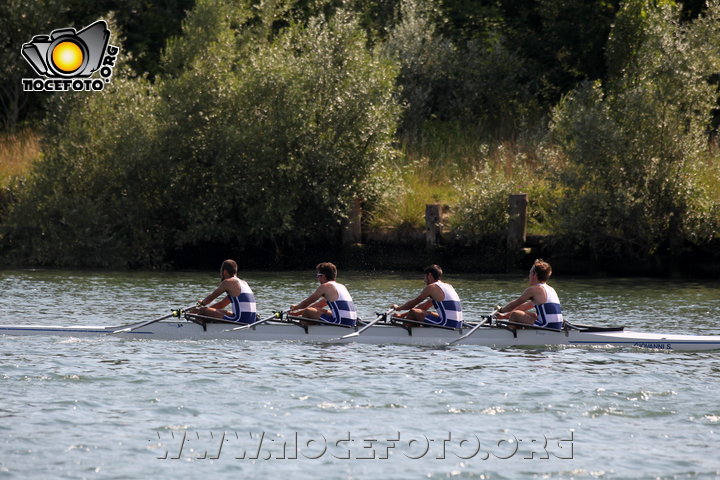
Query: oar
point(250, 325)
point(175, 313)
point(484, 322)
point(379, 317)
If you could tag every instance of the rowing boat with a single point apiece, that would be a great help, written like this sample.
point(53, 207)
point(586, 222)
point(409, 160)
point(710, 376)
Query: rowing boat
point(489, 334)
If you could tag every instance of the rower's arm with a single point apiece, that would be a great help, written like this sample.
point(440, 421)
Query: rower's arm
point(222, 288)
point(317, 295)
point(523, 302)
point(222, 303)
point(425, 305)
point(412, 303)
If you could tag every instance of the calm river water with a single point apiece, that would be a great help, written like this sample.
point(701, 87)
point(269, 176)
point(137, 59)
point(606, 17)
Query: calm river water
point(112, 408)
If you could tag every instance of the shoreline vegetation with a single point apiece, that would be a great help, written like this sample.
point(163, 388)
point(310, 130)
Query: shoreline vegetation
point(294, 122)
point(18, 151)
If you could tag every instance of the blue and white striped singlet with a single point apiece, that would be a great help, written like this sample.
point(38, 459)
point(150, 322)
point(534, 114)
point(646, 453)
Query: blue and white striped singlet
point(450, 309)
point(243, 308)
point(549, 313)
point(343, 309)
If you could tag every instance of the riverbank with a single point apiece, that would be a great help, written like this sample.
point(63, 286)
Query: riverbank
point(483, 257)
point(493, 258)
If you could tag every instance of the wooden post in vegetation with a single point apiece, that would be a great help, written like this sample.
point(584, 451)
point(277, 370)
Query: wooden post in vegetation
point(517, 227)
point(433, 225)
point(352, 233)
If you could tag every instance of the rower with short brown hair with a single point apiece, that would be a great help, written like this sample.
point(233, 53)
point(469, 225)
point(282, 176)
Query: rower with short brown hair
point(540, 296)
point(443, 297)
point(331, 294)
point(238, 293)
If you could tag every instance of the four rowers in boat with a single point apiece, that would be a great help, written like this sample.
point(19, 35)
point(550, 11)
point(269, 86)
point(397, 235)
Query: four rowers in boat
point(341, 310)
point(448, 310)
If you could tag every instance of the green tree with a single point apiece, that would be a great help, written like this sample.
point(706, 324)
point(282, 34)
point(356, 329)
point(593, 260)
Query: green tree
point(637, 144)
point(297, 126)
point(91, 199)
point(244, 141)
point(562, 40)
point(146, 26)
point(425, 58)
point(474, 80)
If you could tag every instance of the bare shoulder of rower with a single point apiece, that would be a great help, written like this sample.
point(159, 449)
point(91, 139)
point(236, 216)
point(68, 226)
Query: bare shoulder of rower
point(328, 291)
point(232, 286)
point(435, 292)
point(535, 294)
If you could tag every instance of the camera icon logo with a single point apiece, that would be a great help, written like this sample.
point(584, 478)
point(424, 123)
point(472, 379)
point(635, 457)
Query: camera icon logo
point(67, 53)
point(68, 58)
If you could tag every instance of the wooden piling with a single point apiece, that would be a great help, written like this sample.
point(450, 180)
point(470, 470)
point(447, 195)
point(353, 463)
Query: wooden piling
point(433, 225)
point(517, 228)
point(517, 225)
point(352, 233)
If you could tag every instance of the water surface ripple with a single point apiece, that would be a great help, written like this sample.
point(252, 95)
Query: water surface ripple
point(117, 409)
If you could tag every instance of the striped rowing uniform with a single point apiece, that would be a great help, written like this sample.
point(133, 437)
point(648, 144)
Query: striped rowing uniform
point(549, 313)
point(449, 309)
point(243, 306)
point(343, 309)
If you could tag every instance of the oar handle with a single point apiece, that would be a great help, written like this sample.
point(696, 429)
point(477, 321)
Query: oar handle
point(182, 310)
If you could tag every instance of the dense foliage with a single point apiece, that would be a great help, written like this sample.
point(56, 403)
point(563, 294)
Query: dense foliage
point(240, 142)
point(637, 143)
point(628, 168)
point(243, 123)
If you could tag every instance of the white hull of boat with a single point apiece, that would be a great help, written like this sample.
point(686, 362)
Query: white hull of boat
point(383, 334)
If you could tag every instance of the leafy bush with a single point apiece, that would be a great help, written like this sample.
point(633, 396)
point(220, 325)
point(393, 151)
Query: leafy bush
point(90, 200)
point(479, 81)
point(245, 140)
point(636, 144)
point(488, 88)
point(424, 57)
point(292, 133)
point(482, 211)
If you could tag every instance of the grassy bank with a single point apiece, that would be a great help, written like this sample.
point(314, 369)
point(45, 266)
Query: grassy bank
point(471, 172)
point(18, 150)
